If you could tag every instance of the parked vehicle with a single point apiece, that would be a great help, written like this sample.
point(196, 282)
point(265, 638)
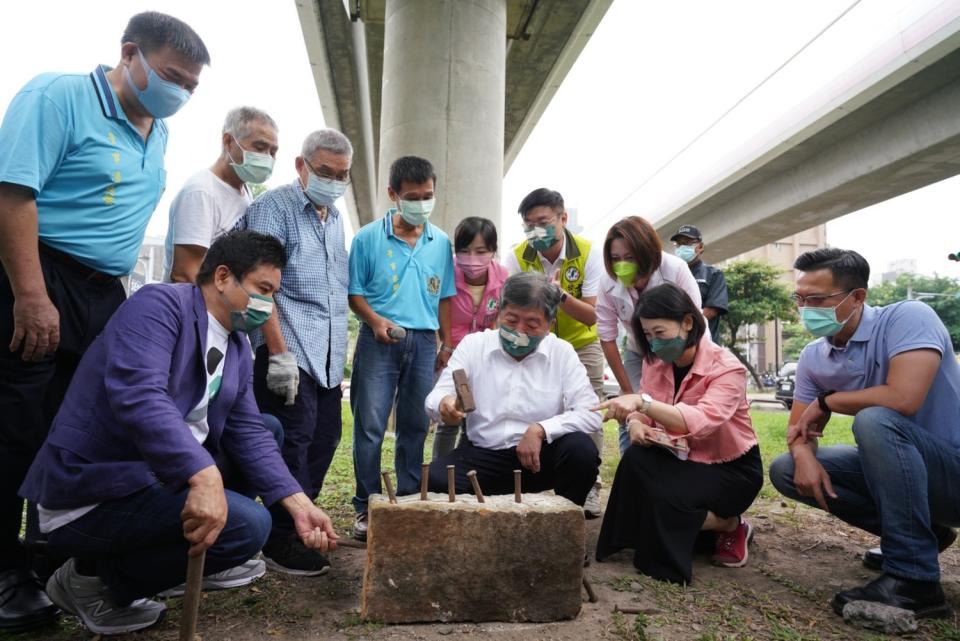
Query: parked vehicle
point(786, 383)
point(611, 387)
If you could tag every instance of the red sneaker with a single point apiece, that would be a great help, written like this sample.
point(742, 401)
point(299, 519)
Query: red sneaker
point(731, 548)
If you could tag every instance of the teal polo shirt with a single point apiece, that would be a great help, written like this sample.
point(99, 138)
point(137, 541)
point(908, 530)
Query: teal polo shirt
point(95, 179)
point(403, 284)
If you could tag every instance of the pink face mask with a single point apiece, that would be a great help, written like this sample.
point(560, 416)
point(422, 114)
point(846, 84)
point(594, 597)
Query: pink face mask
point(475, 265)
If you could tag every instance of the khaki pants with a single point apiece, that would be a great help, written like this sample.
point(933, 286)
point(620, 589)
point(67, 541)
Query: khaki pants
point(591, 356)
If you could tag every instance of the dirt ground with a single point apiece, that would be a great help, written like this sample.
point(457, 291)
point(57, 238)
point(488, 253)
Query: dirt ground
point(799, 558)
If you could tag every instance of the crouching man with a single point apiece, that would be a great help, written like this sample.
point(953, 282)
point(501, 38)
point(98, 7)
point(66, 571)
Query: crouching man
point(127, 483)
point(533, 402)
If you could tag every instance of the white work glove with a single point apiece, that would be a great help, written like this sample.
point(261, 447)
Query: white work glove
point(283, 376)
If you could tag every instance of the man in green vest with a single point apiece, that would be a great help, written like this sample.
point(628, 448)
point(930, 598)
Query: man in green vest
point(576, 266)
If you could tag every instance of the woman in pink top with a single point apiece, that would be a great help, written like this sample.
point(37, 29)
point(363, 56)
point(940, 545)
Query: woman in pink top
point(693, 466)
point(476, 305)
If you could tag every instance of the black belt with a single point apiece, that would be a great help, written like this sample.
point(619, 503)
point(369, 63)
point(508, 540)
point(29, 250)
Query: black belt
point(75, 265)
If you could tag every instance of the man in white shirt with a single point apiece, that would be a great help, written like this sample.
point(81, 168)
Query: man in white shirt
point(533, 402)
point(212, 200)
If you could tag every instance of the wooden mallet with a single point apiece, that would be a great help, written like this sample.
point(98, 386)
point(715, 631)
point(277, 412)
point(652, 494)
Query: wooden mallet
point(191, 596)
point(472, 475)
point(464, 394)
point(388, 484)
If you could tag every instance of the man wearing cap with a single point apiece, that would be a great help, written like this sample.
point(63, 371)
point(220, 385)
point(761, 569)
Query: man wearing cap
point(688, 245)
point(80, 175)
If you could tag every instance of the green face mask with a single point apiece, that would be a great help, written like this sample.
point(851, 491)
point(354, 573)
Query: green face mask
point(258, 311)
point(668, 349)
point(626, 271)
point(541, 238)
point(517, 343)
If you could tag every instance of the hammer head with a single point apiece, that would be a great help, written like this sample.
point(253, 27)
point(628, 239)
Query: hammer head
point(464, 394)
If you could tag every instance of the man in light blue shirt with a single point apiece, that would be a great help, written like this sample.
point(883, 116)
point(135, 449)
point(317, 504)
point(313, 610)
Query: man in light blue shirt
point(80, 174)
point(302, 349)
point(893, 369)
point(401, 278)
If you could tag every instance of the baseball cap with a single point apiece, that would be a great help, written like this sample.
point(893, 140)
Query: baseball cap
point(689, 231)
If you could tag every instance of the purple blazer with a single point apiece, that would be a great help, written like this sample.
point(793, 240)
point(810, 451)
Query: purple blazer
point(121, 426)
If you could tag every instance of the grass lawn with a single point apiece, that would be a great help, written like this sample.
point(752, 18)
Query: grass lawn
point(771, 428)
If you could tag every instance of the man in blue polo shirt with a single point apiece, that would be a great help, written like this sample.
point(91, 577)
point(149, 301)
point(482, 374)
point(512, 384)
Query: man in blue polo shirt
point(80, 175)
point(401, 278)
point(893, 369)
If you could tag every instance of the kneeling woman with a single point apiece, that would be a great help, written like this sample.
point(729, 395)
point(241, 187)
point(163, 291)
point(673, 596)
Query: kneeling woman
point(694, 392)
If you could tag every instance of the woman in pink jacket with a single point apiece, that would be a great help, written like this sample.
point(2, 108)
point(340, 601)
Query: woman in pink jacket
point(476, 305)
point(693, 466)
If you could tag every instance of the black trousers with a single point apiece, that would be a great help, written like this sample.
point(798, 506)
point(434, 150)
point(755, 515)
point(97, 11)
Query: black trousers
point(31, 392)
point(568, 466)
point(311, 432)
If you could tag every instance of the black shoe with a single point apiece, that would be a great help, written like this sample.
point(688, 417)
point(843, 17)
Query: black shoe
point(873, 558)
point(23, 603)
point(290, 556)
point(924, 598)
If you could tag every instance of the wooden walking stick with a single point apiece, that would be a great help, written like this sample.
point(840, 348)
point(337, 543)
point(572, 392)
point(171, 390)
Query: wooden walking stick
point(191, 596)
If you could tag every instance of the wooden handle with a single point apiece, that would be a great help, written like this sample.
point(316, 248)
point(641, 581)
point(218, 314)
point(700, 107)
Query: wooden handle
point(472, 475)
point(191, 597)
point(451, 485)
point(424, 480)
point(388, 484)
point(517, 495)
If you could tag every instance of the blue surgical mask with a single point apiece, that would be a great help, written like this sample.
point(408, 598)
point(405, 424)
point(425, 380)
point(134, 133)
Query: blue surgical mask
point(685, 252)
point(668, 349)
point(161, 98)
point(541, 238)
point(255, 168)
point(323, 192)
point(517, 343)
point(822, 321)
point(416, 212)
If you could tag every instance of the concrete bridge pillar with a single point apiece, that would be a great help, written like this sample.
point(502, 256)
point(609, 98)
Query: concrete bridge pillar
point(443, 99)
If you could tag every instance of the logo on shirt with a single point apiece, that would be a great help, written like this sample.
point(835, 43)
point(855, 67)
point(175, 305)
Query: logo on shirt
point(433, 285)
point(492, 305)
point(572, 274)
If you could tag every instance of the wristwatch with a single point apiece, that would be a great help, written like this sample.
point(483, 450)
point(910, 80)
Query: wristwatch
point(446, 348)
point(645, 402)
point(822, 399)
point(563, 296)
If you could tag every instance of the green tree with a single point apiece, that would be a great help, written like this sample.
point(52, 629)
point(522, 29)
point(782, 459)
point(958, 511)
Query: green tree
point(795, 338)
point(946, 302)
point(756, 296)
point(256, 190)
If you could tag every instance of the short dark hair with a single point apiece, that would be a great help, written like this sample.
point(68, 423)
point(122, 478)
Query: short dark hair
point(152, 30)
point(411, 169)
point(241, 251)
point(850, 270)
point(468, 229)
point(541, 197)
point(643, 241)
point(670, 302)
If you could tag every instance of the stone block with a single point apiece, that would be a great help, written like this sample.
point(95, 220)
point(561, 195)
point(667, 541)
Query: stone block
point(467, 561)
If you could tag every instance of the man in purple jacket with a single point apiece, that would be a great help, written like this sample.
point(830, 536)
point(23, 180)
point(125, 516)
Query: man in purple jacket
point(126, 482)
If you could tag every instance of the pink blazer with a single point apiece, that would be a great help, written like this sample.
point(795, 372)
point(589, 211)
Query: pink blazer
point(712, 400)
point(463, 319)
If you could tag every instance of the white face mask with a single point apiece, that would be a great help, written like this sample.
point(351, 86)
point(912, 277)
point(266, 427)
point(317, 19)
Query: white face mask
point(256, 167)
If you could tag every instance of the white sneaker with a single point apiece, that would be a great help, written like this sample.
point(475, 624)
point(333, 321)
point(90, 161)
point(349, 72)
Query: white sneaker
point(234, 577)
point(88, 598)
point(360, 527)
point(591, 506)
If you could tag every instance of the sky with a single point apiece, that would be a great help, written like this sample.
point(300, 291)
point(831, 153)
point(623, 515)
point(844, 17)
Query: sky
point(653, 77)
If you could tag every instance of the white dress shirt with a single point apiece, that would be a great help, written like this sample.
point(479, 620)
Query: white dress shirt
point(549, 387)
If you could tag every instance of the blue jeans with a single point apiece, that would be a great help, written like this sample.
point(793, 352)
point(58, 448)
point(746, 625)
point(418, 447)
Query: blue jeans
point(633, 363)
point(137, 543)
point(400, 373)
point(900, 483)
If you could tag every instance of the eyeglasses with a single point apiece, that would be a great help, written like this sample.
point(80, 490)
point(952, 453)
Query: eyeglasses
point(543, 222)
point(326, 174)
point(815, 300)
